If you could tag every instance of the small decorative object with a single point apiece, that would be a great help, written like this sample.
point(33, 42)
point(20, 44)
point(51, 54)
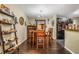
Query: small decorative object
point(21, 20)
point(11, 13)
point(7, 21)
point(5, 9)
point(2, 6)
point(4, 20)
point(70, 26)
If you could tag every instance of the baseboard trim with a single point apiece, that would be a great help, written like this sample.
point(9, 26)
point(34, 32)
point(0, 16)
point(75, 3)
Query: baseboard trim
point(19, 43)
point(69, 50)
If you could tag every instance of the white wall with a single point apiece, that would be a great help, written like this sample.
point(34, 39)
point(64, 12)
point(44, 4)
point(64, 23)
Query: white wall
point(53, 26)
point(72, 41)
point(21, 29)
point(32, 21)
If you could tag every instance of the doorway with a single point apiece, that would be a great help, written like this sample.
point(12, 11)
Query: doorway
point(62, 22)
point(60, 31)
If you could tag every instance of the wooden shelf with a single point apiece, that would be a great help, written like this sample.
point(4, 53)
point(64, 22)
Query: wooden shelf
point(72, 30)
point(2, 22)
point(11, 50)
point(5, 32)
point(6, 13)
point(7, 46)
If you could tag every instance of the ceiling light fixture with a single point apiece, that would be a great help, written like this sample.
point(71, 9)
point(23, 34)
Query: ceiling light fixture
point(41, 13)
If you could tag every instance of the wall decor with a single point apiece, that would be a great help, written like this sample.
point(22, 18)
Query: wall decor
point(21, 20)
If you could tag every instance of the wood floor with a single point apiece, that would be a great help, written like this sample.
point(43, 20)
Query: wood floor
point(54, 48)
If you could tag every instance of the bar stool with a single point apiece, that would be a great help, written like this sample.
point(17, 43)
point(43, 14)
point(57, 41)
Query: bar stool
point(40, 38)
point(32, 39)
point(47, 39)
point(50, 35)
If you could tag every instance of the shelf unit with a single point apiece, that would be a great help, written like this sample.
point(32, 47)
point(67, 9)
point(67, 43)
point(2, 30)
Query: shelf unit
point(6, 13)
point(8, 47)
point(9, 32)
point(2, 22)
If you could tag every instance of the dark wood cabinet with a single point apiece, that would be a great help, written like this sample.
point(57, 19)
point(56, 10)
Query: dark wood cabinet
point(30, 33)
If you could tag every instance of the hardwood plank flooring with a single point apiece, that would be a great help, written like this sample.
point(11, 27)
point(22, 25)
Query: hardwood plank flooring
point(54, 48)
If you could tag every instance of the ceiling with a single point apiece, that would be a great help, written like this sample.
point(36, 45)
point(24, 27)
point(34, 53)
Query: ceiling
point(48, 10)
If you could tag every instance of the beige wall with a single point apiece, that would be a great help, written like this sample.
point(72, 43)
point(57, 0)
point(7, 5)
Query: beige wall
point(72, 41)
point(21, 29)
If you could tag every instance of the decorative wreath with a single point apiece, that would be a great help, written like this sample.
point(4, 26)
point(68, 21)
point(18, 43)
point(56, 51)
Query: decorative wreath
point(21, 20)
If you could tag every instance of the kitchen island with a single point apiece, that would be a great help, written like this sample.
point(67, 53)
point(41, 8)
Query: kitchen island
point(72, 40)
